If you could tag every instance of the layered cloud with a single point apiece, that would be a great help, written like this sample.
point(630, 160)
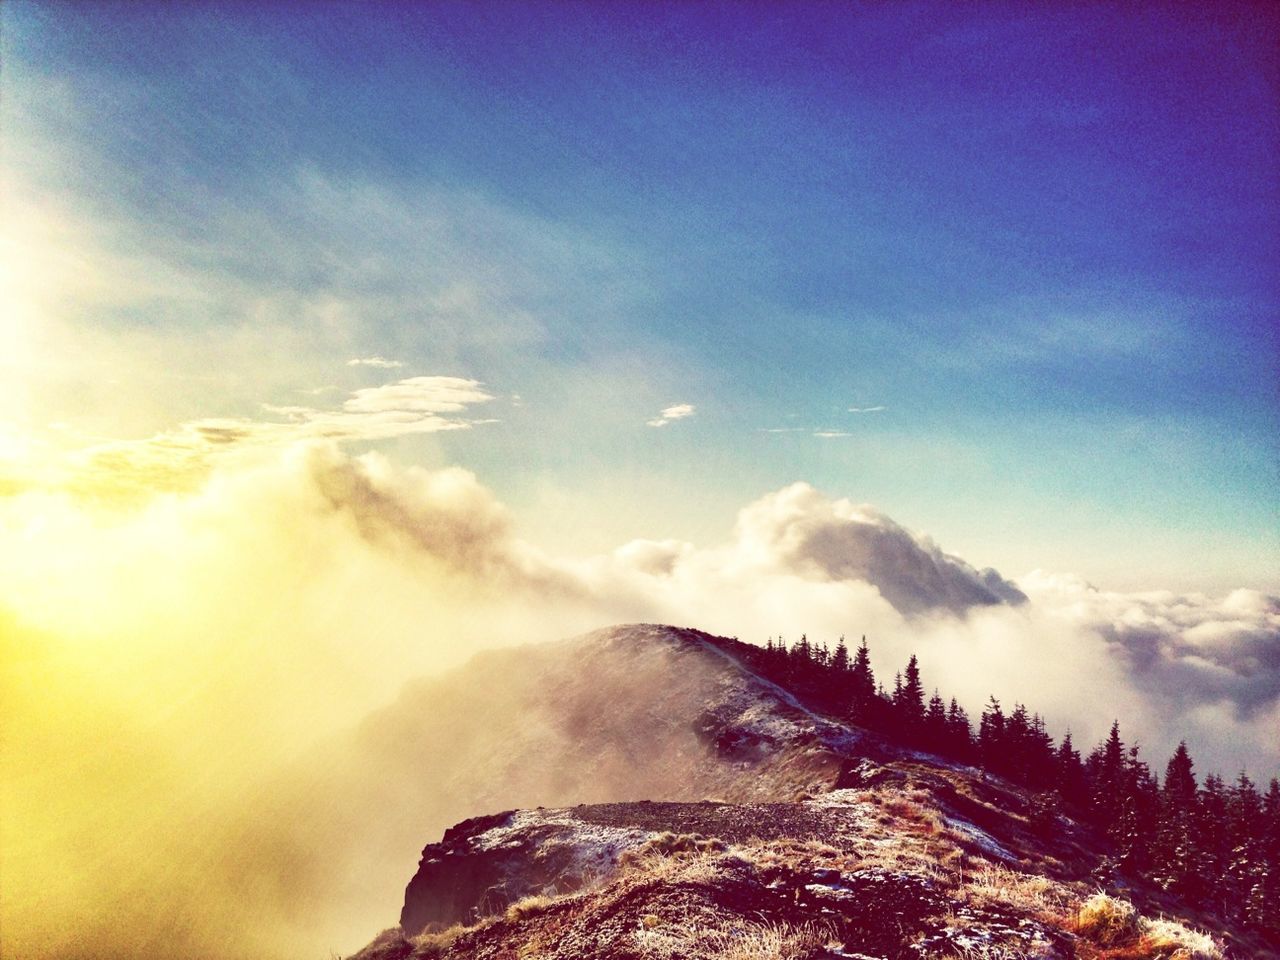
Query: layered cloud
point(180, 458)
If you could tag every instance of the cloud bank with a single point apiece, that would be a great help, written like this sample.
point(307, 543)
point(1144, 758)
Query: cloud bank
point(194, 643)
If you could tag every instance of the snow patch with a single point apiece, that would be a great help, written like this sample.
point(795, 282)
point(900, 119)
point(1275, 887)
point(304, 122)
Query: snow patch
point(980, 838)
point(762, 716)
point(593, 846)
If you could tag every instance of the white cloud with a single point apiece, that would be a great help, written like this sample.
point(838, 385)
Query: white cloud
point(829, 434)
point(380, 362)
point(799, 530)
point(677, 411)
point(178, 458)
point(312, 584)
point(867, 409)
point(417, 395)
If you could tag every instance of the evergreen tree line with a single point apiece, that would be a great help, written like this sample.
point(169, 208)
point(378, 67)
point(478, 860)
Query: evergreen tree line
point(1215, 844)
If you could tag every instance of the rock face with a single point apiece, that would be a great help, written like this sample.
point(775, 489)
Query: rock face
point(483, 865)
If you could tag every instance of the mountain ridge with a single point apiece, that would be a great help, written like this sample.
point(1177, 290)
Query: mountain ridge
point(940, 835)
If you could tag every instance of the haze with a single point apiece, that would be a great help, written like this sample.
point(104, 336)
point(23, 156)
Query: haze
point(340, 343)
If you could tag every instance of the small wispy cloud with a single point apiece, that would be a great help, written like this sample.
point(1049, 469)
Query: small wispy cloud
point(827, 434)
point(677, 411)
point(783, 429)
point(380, 362)
point(867, 409)
point(176, 458)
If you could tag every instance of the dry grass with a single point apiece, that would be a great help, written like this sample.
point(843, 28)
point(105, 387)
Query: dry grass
point(932, 858)
point(1116, 931)
point(752, 942)
point(435, 943)
point(995, 951)
point(1029, 893)
point(658, 867)
point(793, 853)
point(529, 907)
point(1108, 921)
point(1180, 942)
point(671, 843)
point(913, 809)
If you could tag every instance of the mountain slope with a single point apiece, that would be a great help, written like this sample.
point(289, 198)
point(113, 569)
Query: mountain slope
point(879, 872)
point(631, 712)
point(824, 840)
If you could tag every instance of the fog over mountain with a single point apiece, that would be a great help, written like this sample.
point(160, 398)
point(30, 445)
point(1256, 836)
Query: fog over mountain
point(331, 580)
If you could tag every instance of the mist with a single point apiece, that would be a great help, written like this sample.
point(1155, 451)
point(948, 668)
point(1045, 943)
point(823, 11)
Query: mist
point(176, 667)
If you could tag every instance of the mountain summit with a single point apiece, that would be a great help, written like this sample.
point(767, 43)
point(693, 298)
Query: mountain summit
point(721, 814)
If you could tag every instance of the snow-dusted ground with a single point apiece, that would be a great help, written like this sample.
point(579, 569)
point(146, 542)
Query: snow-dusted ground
point(763, 716)
point(591, 847)
point(980, 838)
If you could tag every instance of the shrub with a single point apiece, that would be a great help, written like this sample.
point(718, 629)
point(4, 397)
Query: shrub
point(1171, 939)
point(1115, 924)
point(1107, 921)
point(529, 907)
point(437, 942)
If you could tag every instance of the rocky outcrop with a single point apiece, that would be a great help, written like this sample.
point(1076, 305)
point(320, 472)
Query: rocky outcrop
point(485, 864)
point(853, 873)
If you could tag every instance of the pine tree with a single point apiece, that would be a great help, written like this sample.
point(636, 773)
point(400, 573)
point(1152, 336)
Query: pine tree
point(862, 687)
point(1210, 842)
point(1268, 905)
point(991, 736)
point(1071, 783)
point(1042, 768)
point(840, 659)
point(779, 666)
point(1016, 755)
point(908, 701)
point(935, 724)
point(1174, 860)
point(1134, 830)
point(1107, 772)
point(959, 733)
point(1180, 779)
point(802, 654)
point(1244, 873)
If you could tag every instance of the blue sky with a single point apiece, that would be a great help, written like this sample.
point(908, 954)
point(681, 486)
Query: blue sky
point(1045, 239)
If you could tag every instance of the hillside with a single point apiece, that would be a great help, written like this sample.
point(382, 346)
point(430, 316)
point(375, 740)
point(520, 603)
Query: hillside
point(639, 712)
point(795, 835)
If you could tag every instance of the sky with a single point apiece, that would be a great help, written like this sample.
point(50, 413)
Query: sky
point(339, 341)
point(1044, 242)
